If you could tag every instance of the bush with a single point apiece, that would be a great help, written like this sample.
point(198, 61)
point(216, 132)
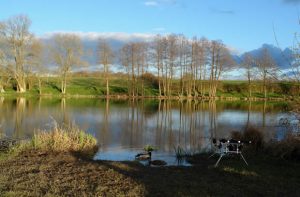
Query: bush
point(250, 134)
point(151, 79)
point(255, 136)
point(288, 149)
point(234, 88)
point(285, 87)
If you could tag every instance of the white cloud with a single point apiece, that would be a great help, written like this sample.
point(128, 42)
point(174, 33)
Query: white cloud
point(120, 36)
point(234, 50)
point(151, 3)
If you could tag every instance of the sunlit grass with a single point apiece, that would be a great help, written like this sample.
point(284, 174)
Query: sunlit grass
point(243, 172)
point(69, 138)
point(59, 139)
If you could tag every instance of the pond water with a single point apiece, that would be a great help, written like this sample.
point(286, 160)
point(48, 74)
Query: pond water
point(124, 127)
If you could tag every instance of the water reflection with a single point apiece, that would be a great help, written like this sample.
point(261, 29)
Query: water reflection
point(130, 124)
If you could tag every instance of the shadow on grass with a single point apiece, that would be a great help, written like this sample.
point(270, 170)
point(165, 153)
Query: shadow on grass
point(37, 173)
point(264, 177)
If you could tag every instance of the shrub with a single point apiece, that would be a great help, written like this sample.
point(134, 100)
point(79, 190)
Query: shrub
point(289, 148)
point(236, 135)
point(150, 78)
point(255, 136)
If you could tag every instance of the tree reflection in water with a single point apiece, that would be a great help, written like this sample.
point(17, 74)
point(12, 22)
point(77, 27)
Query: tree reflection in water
point(134, 123)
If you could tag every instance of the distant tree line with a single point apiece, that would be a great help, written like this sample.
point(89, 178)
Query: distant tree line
point(179, 65)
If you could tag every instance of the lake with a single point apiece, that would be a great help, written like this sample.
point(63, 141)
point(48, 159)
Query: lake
point(124, 127)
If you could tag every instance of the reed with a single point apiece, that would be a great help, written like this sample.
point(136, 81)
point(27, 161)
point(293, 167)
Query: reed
point(179, 152)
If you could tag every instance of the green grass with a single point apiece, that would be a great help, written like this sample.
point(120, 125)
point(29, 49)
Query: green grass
point(95, 86)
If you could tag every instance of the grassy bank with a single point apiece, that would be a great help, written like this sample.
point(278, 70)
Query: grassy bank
point(92, 86)
point(55, 164)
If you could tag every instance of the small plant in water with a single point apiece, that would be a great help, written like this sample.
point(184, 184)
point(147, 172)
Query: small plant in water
point(179, 152)
point(149, 148)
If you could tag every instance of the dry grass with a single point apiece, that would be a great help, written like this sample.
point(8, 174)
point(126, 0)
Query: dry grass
point(64, 139)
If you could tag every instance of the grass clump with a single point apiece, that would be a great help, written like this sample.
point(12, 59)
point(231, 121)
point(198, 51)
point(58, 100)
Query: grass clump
point(64, 139)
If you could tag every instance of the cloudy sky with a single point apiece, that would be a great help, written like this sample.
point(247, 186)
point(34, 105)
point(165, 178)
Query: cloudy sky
point(241, 24)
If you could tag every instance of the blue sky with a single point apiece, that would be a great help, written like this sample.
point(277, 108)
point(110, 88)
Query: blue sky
point(241, 24)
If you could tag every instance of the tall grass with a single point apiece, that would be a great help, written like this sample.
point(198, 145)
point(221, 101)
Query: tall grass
point(64, 138)
point(179, 152)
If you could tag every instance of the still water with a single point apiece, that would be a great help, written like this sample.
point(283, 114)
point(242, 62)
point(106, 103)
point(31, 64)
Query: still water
point(124, 127)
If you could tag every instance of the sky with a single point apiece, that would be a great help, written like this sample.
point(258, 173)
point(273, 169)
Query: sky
point(241, 24)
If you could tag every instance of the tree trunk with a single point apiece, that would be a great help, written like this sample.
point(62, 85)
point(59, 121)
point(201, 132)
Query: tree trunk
point(2, 89)
point(21, 87)
point(40, 86)
point(107, 80)
point(63, 85)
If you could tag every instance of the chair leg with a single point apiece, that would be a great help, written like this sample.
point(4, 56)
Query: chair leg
point(244, 159)
point(217, 163)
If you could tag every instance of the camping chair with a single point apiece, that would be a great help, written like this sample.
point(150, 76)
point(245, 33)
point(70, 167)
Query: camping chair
point(228, 147)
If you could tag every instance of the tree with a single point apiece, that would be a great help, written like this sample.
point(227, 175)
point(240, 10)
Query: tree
point(266, 67)
point(3, 71)
point(106, 57)
point(248, 64)
point(295, 64)
point(170, 65)
point(66, 53)
point(125, 61)
point(157, 55)
point(220, 61)
point(142, 64)
point(35, 67)
point(17, 37)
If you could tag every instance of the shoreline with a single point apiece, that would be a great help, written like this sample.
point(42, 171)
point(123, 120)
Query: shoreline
point(125, 97)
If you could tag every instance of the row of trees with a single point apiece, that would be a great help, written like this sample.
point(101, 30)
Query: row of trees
point(172, 59)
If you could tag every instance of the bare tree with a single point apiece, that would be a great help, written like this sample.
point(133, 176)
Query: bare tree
point(125, 58)
point(17, 37)
point(157, 55)
point(142, 64)
point(106, 57)
point(3, 70)
point(66, 53)
point(36, 67)
point(248, 64)
point(172, 52)
point(266, 67)
point(220, 61)
point(295, 64)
